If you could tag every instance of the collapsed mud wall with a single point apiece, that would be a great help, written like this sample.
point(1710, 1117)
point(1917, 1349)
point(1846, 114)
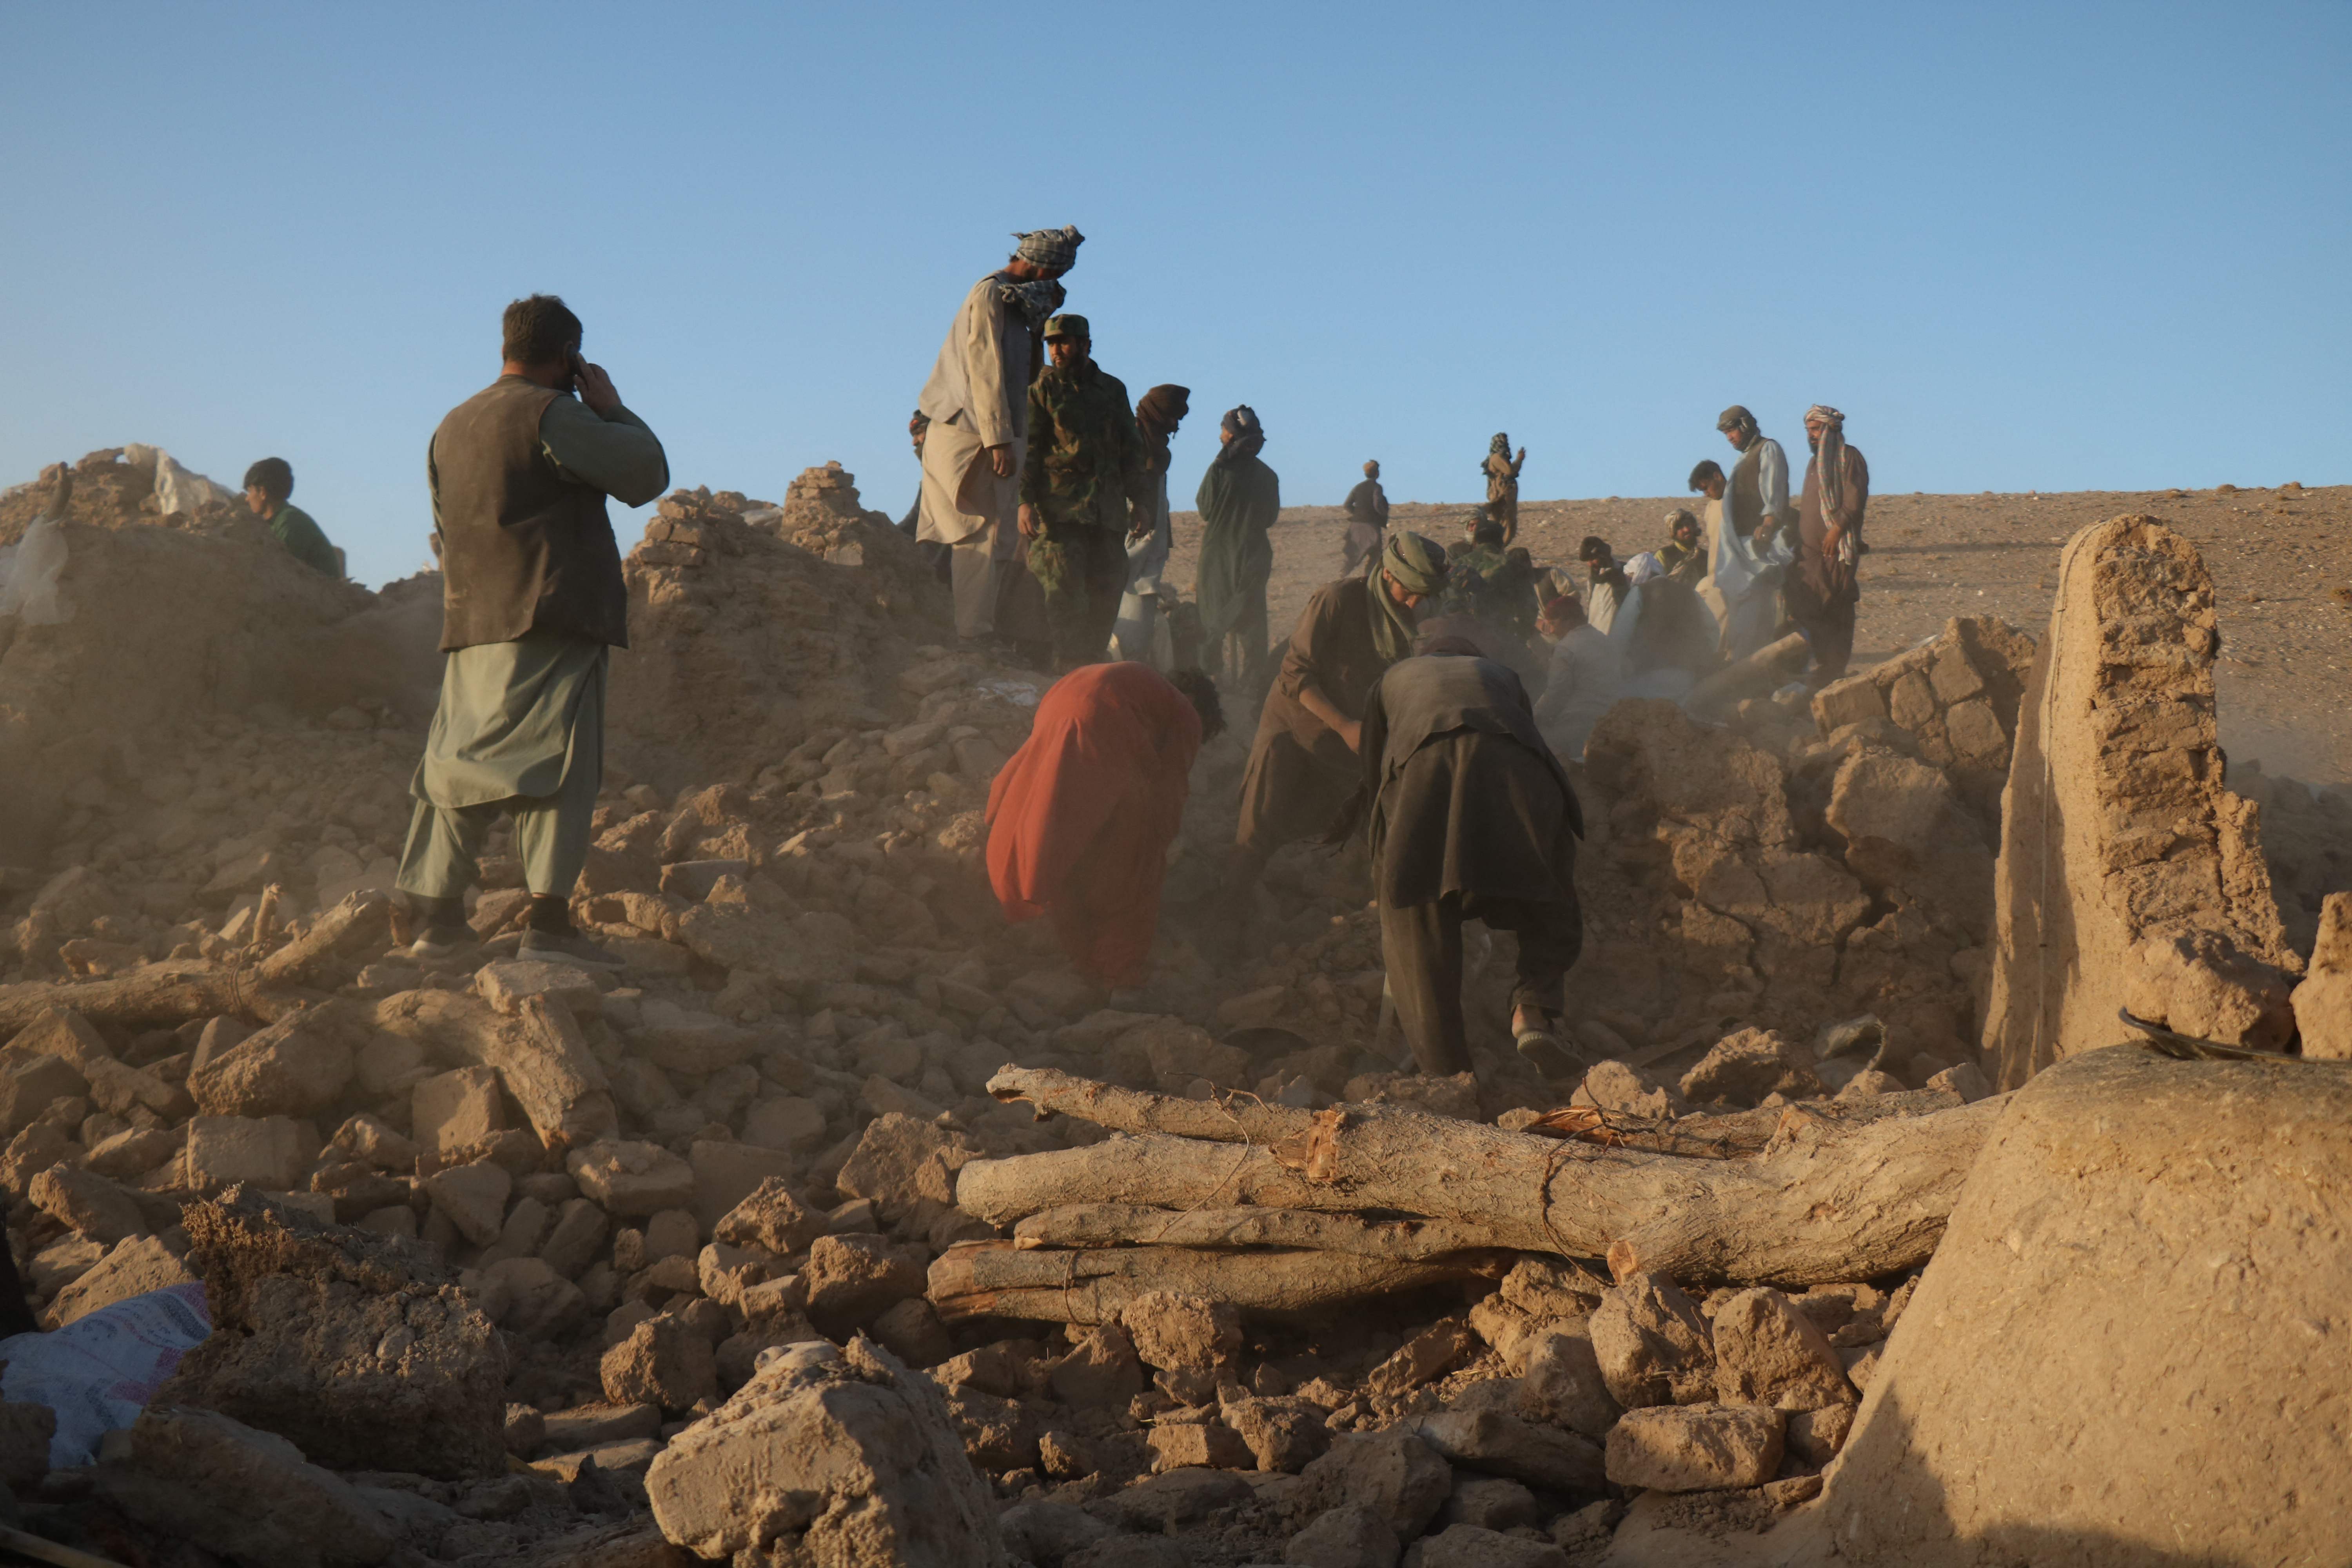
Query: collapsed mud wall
point(2130, 875)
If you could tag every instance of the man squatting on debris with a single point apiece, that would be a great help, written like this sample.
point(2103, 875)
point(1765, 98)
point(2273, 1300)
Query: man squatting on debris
point(1080, 820)
point(977, 401)
point(1086, 492)
point(1303, 765)
point(532, 599)
point(1469, 816)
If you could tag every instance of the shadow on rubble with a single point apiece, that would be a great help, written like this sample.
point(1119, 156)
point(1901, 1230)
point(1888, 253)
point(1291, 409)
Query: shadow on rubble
point(1885, 1505)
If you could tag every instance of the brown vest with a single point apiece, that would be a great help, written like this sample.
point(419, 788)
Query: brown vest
point(522, 549)
point(1743, 500)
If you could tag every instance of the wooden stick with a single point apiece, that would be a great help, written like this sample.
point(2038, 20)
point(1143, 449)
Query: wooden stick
point(1229, 1229)
point(991, 1278)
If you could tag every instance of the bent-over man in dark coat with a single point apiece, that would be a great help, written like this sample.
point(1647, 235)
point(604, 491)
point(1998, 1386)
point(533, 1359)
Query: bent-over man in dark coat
point(1470, 818)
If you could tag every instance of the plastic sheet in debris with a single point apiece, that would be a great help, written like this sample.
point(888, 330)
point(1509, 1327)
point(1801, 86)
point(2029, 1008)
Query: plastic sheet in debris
point(99, 1371)
point(29, 570)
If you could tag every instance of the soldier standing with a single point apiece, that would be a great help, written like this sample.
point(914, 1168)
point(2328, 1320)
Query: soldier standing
point(1083, 492)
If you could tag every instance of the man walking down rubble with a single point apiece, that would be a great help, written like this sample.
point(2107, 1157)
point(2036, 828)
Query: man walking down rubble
point(1825, 587)
point(1302, 765)
point(532, 601)
point(1469, 816)
point(1080, 820)
point(266, 485)
point(977, 400)
point(1085, 491)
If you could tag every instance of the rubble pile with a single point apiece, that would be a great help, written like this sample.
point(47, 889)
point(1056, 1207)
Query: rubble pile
point(845, 1225)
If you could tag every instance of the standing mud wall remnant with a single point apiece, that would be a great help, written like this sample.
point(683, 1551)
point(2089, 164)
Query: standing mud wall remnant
point(2129, 875)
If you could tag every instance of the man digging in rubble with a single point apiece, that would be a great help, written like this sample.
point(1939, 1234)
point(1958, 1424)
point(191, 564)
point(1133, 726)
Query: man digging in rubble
point(531, 601)
point(1084, 493)
point(977, 400)
point(1080, 820)
point(1469, 816)
point(1824, 586)
point(266, 485)
point(1302, 765)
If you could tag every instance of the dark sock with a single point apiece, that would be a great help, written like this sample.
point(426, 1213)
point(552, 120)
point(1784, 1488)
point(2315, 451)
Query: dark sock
point(438, 912)
point(550, 914)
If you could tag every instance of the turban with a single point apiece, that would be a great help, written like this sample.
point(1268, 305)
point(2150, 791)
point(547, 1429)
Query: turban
point(1501, 443)
point(1594, 547)
point(1056, 248)
point(1415, 564)
point(1163, 407)
point(1679, 516)
point(1830, 449)
point(1248, 435)
point(1157, 414)
point(1736, 418)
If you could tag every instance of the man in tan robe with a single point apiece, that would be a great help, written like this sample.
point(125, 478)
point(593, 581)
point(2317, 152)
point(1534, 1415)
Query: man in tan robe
point(977, 401)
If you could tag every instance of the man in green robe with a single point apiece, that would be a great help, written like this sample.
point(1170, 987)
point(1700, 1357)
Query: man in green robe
point(532, 601)
point(266, 485)
point(1239, 499)
point(1085, 491)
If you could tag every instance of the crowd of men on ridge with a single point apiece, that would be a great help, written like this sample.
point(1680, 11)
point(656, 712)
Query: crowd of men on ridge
point(1428, 701)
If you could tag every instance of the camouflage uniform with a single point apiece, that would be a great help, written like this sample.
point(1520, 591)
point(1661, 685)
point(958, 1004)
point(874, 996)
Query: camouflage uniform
point(1086, 469)
point(1468, 589)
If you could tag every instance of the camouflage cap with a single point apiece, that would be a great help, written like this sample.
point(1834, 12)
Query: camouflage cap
point(1068, 327)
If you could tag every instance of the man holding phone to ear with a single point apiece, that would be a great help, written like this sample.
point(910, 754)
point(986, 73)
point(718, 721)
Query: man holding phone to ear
point(532, 600)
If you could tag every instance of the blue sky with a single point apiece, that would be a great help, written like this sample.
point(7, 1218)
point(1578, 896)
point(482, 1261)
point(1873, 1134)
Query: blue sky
point(2054, 247)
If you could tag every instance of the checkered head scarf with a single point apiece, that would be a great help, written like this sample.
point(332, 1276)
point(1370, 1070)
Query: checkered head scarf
point(1051, 246)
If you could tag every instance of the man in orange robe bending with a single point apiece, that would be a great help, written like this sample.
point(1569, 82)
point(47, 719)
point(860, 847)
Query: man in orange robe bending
point(1080, 820)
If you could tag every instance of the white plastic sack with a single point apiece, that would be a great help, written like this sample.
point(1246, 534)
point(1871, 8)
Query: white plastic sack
point(177, 487)
point(29, 570)
point(98, 1372)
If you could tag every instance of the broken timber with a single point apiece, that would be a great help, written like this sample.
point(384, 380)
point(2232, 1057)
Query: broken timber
point(1827, 1199)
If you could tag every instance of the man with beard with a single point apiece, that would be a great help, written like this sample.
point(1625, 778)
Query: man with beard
point(1083, 492)
point(532, 601)
point(1368, 520)
point(977, 401)
point(1757, 493)
point(1239, 499)
point(1823, 586)
point(1502, 471)
point(1157, 417)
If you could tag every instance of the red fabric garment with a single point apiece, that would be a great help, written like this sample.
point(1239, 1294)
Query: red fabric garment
point(1080, 820)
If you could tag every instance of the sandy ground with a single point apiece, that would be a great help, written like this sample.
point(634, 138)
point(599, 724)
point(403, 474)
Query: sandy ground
point(2281, 558)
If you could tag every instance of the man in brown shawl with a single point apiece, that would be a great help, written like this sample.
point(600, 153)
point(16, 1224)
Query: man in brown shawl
point(1302, 765)
point(1823, 588)
point(1469, 816)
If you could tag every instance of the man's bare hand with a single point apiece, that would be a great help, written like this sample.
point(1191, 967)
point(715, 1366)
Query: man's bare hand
point(595, 388)
point(1352, 732)
point(1000, 463)
point(1141, 526)
point(1028, 516)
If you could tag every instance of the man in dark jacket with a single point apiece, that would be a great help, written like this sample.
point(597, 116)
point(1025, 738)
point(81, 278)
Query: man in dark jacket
point(531, 601)
point(1083, 489)
point(1469, 817)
